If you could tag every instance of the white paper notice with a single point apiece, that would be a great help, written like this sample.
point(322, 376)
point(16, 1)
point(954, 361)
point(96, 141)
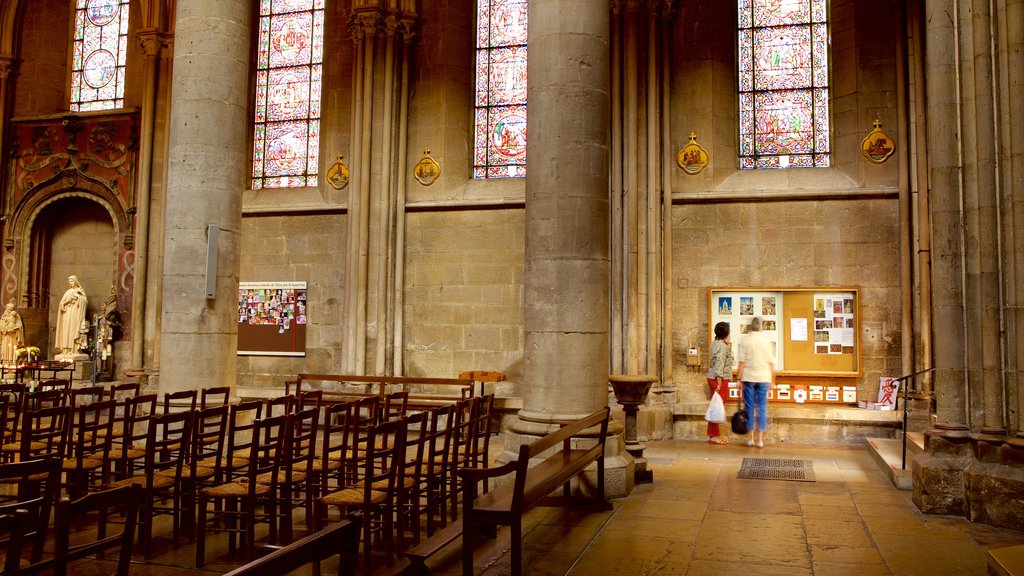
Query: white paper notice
point(798, 329)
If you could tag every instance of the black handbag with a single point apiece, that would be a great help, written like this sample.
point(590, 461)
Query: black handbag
point(739, 421)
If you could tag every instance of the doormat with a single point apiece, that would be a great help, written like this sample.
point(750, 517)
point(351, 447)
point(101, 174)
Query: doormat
point(777, 469)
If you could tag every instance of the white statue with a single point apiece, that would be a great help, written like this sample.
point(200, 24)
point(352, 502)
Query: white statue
point(12, 334)
point(70, 315)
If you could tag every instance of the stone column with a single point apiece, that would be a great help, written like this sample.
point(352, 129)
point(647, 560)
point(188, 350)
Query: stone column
point(567, 210)
point(567, 260)
point(207, 171)
point(938, 471)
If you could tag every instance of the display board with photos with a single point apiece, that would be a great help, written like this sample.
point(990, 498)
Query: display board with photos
point(814, 334)
point(272, 318)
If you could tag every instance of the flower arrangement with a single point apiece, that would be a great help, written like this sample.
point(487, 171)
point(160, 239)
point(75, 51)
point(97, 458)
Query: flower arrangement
point(29, 353)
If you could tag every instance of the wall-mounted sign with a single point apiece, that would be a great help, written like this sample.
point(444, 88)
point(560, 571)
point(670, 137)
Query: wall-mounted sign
point(426, 171)
point(877, 146)
point(337, 174)
point(693, 157)
point(272, 318)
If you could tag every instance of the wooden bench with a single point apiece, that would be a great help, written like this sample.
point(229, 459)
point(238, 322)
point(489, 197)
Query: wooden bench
point(341, 538)
point(342, 387)
point(528, 487)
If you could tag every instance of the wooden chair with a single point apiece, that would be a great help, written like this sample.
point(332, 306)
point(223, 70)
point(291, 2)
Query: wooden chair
point(88, 461)
point(279, 406)
point(239, 499)
point(34, 485)
point(123, 390)
point(12, 402)
point(410, 483)
point(167, 442)
point(327, 465)
point(294, 469)
point(395, 405)
point(438, 447)
point(44, 434)
point(180, 401)
point(241, 425)
point(13, 527)
point(203, 461)
point(364, 415)
point(123, 500)
point(54, 384)
point(128, 449)
point(86, 395)
point(46, 398)
point(374, 495)
point(464, 449)
point(215, 396)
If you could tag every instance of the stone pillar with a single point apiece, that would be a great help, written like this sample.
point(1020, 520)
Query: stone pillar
point(567, 261)
point(207, 171)
point(567, 210)
point(939, 470)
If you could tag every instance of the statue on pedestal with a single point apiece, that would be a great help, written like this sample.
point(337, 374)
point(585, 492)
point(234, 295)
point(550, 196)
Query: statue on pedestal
point(12, 334)
point(70, 315)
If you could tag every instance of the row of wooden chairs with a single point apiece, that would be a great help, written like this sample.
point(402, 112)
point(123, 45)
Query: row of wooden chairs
point(24, 523)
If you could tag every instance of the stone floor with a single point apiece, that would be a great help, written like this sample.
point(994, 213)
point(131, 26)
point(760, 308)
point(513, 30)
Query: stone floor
point(698, 518)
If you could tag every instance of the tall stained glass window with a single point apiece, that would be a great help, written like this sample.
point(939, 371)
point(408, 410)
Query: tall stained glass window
point(783, 83)
point(97, 60)
point(500, 135)
point(289, 59)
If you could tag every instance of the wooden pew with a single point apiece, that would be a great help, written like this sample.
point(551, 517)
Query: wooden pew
point(341, 538)
point(342, 387)
point(528, 487)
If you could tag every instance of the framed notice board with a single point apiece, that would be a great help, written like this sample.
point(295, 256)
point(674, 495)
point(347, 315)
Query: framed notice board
point(272, 319)
point(814, 331)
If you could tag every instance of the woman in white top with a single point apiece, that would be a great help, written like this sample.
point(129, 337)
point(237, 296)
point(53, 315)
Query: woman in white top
point(757, 372)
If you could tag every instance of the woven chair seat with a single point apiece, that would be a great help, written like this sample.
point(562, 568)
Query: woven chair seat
point(233, 489)
point(208, 463)
point(159, 482)
point(352, 497)
point(70, 464)
point(318, 465)
point(282, 477)
point(186, 473)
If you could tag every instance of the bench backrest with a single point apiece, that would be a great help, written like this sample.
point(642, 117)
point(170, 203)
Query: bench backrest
point(340, 538)
point(564, 437)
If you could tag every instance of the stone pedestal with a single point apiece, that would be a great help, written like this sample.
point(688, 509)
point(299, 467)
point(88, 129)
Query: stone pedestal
point(939, 483)
point(631, 392)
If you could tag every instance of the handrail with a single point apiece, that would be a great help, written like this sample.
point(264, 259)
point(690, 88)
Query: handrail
point(906, 390)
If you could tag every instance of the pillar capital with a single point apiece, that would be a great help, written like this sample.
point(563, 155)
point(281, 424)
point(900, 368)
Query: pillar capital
point(365, 23)
point(151, 42)
point(7, 65)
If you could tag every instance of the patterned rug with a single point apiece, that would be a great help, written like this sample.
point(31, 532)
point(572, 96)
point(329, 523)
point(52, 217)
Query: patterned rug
point(777, 469)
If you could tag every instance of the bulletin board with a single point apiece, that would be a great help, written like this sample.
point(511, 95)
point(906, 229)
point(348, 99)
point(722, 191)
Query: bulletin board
point(272, 319)
point(813, 330)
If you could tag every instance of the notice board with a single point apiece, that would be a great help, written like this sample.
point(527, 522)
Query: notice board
point(815, 336)
point(272, 318)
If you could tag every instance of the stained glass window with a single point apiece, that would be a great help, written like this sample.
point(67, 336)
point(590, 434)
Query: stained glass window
point(98, 56)
point(500, 136)
point(783, 83)
point(286, 138)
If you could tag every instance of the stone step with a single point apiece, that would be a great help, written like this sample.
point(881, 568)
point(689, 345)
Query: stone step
point(1007, 561)
point(888, 453)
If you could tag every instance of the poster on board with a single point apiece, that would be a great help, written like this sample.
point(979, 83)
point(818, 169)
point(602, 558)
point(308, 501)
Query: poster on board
point(272, 318)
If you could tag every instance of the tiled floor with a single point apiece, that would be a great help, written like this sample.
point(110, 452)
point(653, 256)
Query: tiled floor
point(697, 518)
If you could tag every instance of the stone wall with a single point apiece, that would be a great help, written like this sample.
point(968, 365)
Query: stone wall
point(300, 248)
point(786, 244)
